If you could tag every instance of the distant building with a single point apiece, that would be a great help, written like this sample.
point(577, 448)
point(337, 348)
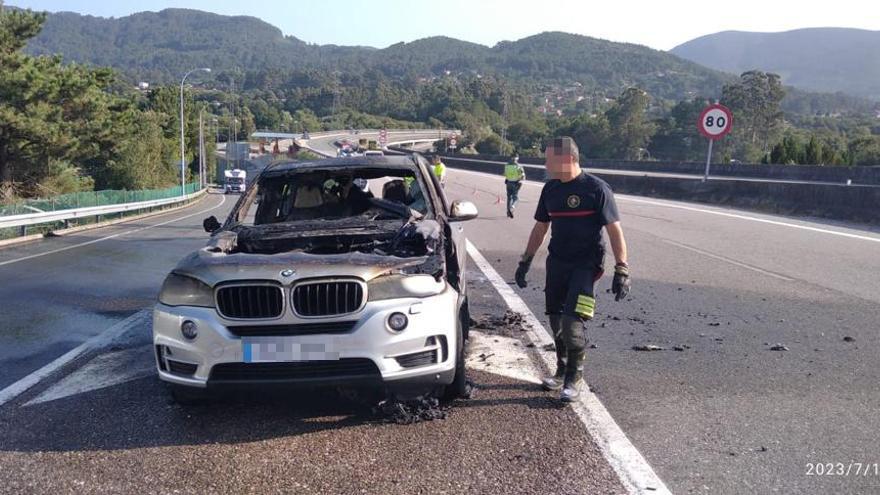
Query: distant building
point(143, 86)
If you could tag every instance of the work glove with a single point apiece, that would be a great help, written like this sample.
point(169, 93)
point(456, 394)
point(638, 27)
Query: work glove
point(522, 270)
point(620, 285)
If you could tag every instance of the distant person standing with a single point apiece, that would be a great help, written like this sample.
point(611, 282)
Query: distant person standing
point(439, 169)
point(514, 174)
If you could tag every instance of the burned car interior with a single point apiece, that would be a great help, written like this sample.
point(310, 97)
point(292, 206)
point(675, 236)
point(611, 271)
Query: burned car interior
point(374, 209)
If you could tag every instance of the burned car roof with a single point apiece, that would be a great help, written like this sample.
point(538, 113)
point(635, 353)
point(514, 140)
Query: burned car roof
point(386, 162)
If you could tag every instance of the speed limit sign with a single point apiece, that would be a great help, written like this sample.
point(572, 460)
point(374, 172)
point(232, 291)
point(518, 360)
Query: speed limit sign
point(715, 122)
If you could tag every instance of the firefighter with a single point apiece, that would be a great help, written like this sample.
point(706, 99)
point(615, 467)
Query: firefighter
point(578, 206)
point(514, 173)
point(439, 169)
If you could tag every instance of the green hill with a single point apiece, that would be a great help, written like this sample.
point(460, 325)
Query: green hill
point(818, 59)
point(159, 46)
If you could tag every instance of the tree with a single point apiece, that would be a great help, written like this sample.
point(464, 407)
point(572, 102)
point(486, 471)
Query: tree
point(813, 152)
point(677, 137)
point(630, 130)
point(865, 151)
point(755, 101)
point(493, 145)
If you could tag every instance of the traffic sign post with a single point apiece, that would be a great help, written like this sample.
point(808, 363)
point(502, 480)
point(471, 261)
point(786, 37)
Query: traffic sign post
point(383, 137)
point(453, 142)
point(715, 122)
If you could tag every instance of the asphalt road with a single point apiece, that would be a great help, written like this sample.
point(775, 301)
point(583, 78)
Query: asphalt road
point(724, 415)
point(727, 414)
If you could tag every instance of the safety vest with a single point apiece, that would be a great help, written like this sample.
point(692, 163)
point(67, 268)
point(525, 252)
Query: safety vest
point(514, 172)
point(439, 170)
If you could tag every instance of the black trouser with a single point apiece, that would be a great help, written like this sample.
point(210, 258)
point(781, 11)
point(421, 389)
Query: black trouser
point(513, 188)
point(570, 299)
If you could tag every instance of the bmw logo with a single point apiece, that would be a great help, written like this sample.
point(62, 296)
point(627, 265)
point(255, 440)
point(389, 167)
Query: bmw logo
point(287, 273)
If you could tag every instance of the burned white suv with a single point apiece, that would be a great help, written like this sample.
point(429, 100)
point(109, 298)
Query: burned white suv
point(338, 272)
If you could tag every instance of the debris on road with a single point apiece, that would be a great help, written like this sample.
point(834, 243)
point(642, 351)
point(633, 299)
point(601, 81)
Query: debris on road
point(510, 319)
point(681, 348)
point(779, 347)
point(551, 347)
point(594, 346)
point(406, 412)
point(849, 339)
point(648, 347)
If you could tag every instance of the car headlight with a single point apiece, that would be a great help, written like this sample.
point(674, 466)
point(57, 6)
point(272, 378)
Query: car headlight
point(401, 286)
point(180, 290)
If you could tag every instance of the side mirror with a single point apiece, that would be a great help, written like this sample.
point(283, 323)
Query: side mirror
point(211, 224)
point(462, 211)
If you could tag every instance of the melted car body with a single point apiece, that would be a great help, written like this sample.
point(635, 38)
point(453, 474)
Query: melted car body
point(343, 272)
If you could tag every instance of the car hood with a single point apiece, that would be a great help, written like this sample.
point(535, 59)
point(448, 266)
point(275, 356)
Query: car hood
point(212, 266)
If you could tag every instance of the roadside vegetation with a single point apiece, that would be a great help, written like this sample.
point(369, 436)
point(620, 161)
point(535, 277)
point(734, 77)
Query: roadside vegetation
point(67, 127)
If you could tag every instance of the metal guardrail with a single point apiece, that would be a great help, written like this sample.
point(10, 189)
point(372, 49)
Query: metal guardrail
point(26, 219)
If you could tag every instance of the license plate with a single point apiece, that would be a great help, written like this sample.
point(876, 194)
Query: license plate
point(281, 349)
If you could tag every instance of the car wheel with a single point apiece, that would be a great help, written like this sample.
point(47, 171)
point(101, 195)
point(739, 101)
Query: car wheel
point(187, 396)
point(460, 388)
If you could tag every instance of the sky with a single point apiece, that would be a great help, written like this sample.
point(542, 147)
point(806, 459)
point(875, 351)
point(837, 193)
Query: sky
point(660, 24)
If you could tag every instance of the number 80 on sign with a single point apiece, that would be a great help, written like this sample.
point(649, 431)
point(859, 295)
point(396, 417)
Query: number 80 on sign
point(715, 121)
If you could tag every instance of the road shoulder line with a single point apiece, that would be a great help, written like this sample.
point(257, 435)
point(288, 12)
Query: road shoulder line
point(634, 472)
point(98, 341)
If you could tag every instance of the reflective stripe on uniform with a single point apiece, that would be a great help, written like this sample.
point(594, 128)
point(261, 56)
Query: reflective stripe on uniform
point(579, 213)
point(586, 306)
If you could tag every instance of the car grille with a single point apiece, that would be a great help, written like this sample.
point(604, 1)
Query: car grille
point(305, 371)
point(328, 298)
point(298, 329)
point(423, 358)
point(250, 301)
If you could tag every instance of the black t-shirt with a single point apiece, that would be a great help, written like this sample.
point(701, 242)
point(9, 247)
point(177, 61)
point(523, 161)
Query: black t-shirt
point(577, 210)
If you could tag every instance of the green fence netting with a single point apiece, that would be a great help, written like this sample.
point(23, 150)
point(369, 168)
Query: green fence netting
point(92, 198)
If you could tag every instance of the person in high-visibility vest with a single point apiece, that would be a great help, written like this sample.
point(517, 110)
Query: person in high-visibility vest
point(439, 169)
point(514, 173)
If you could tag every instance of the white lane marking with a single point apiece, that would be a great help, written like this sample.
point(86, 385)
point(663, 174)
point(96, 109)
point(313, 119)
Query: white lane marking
point(634, 472)
point(665, 204)
point(500, 355)
point(96, 342)
point(752, 219)
point(106, 370)
point(728, 260)
point(101, 239)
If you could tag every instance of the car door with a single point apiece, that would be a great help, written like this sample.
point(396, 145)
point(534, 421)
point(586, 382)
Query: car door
point(456, 241)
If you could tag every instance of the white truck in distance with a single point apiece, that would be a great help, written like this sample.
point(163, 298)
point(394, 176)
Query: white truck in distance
point(236, 181)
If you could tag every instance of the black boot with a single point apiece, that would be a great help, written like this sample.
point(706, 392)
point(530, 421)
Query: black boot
point(555, 382)
point(574, 376)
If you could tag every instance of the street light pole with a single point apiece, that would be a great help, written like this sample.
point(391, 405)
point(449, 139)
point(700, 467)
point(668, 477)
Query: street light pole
point(182, 138)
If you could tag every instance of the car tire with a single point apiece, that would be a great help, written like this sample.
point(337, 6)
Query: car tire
point(187, 396)
point(460, 388)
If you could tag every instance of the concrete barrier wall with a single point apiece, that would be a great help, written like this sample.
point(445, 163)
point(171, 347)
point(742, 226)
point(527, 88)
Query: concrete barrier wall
point(840, 202)
point(813, 173)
